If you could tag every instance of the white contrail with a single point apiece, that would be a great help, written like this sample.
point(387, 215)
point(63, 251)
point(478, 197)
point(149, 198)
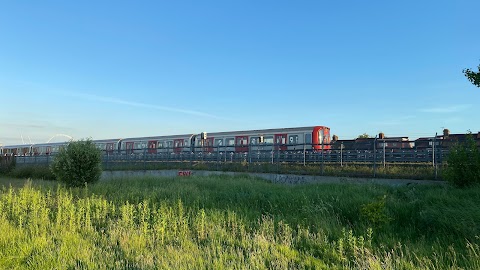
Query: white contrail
point(450, 109)
point(138, 104)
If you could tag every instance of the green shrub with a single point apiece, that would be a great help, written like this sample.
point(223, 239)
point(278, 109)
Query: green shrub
point(7, 164)
point(375, 212)
point(463, 164)
point(78, 163)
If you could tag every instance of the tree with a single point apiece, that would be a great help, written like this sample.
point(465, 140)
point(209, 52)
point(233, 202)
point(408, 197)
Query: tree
point(78, 163)
point(364, 136)
point(472, 76)
point(463, 161)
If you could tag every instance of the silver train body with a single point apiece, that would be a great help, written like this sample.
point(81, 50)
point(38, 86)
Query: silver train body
point(313, 137)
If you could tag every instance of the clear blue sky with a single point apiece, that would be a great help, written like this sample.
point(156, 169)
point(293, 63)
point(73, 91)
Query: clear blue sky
point(112, 69)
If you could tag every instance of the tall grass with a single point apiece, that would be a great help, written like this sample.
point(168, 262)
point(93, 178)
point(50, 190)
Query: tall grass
point(237, 223)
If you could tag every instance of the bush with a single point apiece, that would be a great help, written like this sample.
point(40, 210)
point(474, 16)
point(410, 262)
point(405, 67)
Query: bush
point(375, 212)
point(7, 164)
point(78, 163)
point(463, 164)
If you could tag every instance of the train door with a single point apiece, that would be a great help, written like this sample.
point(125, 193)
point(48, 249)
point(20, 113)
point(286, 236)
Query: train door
point(281, 142)
point(129, 147)
point(25, 151)
point(48, 151)
point(208, 145)
point(109, 148)
point(178, 145)
point(152, 147)
point(241, 143)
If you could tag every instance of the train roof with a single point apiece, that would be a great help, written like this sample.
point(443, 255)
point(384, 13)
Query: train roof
point(56, 143)
point(164, 137)
point(106, 140)
point(271, 130)
point(49, 144)
point(17, 146)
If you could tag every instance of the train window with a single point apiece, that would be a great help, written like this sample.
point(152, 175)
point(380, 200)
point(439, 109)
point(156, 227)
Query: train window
point(253, 141)
point(218, 142)
point(159, 145)
point(268, 140)
point(242, 141)
point(185, 142)
point(308, 138)
point(293, 139)
point(230, 141)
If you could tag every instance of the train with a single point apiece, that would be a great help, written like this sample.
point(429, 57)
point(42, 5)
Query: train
point(296, 139)
point(283, 139)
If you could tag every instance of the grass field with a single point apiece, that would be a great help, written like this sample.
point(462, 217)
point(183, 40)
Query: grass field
point(236, 223)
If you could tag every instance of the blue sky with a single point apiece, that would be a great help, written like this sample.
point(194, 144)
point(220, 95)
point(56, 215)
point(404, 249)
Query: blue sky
point(113, 69)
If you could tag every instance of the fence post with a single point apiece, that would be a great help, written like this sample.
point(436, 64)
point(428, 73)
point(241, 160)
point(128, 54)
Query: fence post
point(218, 156)
point(272, 152)
point(249, 154)
point(304, 154)
point(384, 153)
point(323, 159)
point(144, 159)
point(435, 163)
point(433, 149)
point(375, 157)
point(341, 154)
point(278, 159)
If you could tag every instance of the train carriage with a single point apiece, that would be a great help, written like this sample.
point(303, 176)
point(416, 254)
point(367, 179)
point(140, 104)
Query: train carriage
point(284, 139)
point(157, 144)
point(109, 147)
point(17, 150)
point(47, 148)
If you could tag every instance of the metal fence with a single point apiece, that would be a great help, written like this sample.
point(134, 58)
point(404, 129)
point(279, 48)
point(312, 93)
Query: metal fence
point(292, 158)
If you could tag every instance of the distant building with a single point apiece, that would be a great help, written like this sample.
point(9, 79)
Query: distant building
point(390, 143)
